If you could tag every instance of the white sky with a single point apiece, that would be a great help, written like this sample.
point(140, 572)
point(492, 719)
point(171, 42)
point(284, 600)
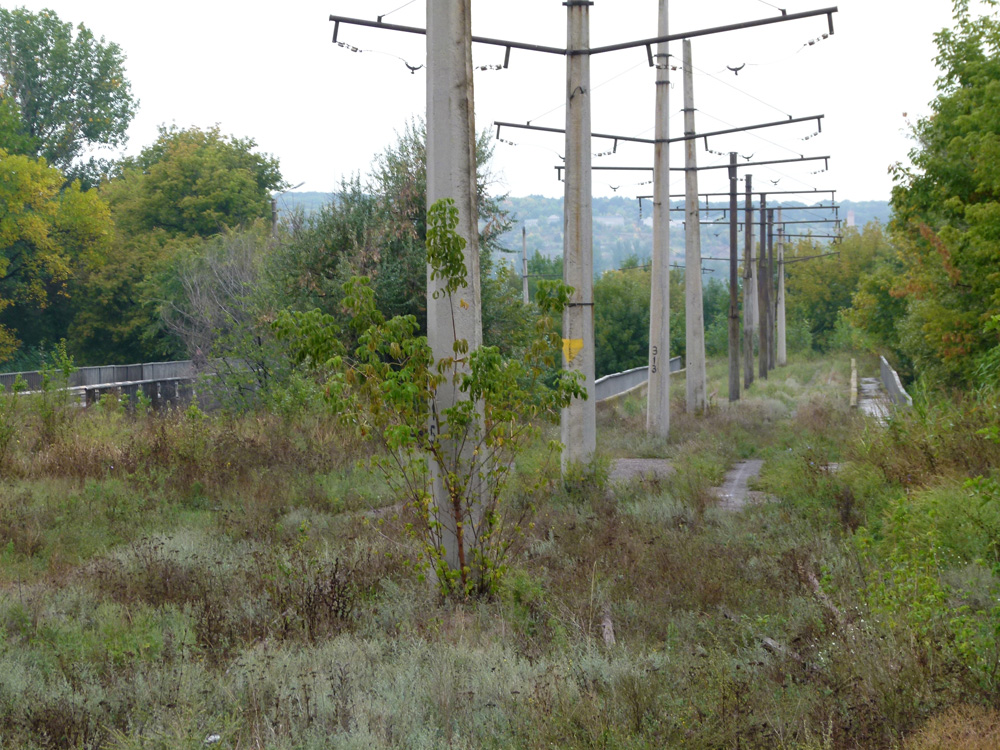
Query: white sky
point(269, 71)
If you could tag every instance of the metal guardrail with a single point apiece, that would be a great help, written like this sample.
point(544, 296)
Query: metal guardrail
point(618, 383)
point(106, 374)
point(168, 381)
point(160, 392)
point(892, 385)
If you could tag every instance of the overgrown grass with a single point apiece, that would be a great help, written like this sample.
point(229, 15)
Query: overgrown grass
point(167, 578)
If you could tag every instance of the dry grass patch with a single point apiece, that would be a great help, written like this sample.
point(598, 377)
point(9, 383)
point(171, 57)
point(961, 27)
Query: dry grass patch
point(959, 728)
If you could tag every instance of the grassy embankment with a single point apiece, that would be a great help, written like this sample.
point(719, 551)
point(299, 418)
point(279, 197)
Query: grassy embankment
point(167, 578)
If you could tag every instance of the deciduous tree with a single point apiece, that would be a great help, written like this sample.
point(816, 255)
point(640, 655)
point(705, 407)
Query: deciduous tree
point(947, 206)
point(820, 288)
point(188, 186)
point(70, 87)
point(45, 231)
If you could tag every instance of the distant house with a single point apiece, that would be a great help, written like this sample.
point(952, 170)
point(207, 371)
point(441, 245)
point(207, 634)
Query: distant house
point(555, 219)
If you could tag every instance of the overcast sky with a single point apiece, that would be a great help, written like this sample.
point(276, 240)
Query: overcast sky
point(270, 71)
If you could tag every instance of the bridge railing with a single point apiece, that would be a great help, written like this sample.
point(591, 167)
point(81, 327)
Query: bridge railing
point(621, 382)
point(892, 384)
point(169, 382)
point(106, 374)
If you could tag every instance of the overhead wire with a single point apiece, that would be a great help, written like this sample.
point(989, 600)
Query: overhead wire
point(714, 77)
point(769, 141)
point(397, 9)
point(783, 10)
point(351, 48)
point(592, 88)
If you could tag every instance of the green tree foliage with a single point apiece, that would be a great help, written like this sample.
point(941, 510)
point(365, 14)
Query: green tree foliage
point(45, 233)
point(377, 228)
point(218, 298)
point(185, 188)
point(621, 318)
point(70, 88)
point(355, 234)
point(947, 207)
point(385, 388)
point(715, 306)
point(879, 308)
point(819, 289)
point(193, 182)
point(12, 132)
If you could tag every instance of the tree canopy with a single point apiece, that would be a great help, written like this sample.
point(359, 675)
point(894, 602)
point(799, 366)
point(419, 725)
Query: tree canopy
point(947, 207)
point(820, 288)
point(44, 232)
point(69, 87)
point(193, 182)
point(180, 191)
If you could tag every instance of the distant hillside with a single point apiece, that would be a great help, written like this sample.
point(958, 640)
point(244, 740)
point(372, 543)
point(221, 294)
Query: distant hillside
point(306, 201)
point(623, 230)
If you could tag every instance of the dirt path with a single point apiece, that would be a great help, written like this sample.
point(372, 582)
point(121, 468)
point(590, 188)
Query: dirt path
point(627, 469)
point(735, 491)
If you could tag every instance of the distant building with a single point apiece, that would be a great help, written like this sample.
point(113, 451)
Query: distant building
point(850, 218)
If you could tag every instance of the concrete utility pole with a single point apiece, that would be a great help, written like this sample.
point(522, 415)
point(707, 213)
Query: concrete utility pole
point(772, 353)
point(749, 288)
point(782, 349)
point(693, 305)
point(524, 264)
point(734, 308)
point(658, 402)
point(762, 299)
point(451, 173)
point(579, 419)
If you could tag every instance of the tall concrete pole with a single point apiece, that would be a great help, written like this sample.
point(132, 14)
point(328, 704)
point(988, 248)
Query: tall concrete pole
point(749, 288)
point(658, 403)
point(782, 348)
point(762, 298)
point(693, 305)
point(524, 264)
point(772, 354)
point(579, 419)
point(451, 173)
point(734, 308)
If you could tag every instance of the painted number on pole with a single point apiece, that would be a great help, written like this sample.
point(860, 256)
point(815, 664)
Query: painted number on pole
point(656, 351)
